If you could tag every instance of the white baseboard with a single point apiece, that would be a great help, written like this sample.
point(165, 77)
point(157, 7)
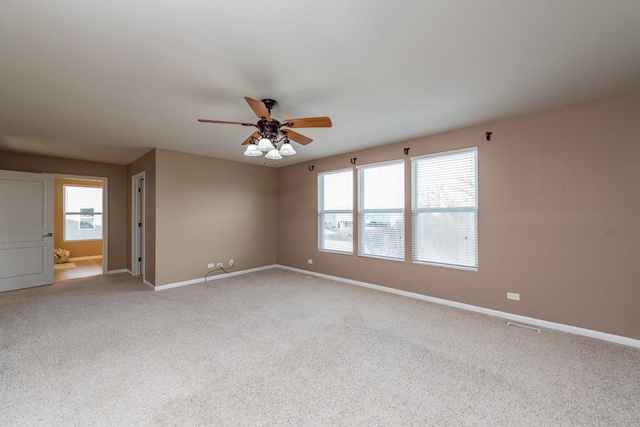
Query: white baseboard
point(80, 258)
point(509, 316)
point(122, 270)
point(201, 279)
point(150, 285)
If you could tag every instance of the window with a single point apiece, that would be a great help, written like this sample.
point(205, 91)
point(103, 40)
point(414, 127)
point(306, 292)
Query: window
point(335, 213)
point(381, 210)
point(82, 213)
point(445, 209)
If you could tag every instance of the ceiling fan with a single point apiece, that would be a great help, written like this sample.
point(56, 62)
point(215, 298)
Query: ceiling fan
point(271, 132)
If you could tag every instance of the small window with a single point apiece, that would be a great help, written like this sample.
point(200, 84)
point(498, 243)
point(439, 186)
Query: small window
point(335, 211)
point(381, 211)
point(445, 209)
point(82, 213)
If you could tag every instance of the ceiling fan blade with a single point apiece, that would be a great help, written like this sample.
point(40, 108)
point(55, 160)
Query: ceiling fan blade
point(258, 107)
point(226, 123)
point(309, 122)
point(295, 136)
point(255, 135)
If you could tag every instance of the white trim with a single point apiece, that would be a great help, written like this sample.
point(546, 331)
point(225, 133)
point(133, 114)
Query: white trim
point(81, 258)
point(360, 231)
point(105, 224)
point(137, 207)
point(65, 213)
point(149, 285)
point(322, 211)
point(122, 270)
point(335, 251)
point(415, 210)
point(105, 211)
point(443, 265)
point(202, 279)
point(382, 258)
point(509, 316)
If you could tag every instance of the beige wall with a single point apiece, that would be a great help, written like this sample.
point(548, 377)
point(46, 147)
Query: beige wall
point(146, 164)
point(81, 248)
point(559, 211)
point(211, 210)
point(116, 187)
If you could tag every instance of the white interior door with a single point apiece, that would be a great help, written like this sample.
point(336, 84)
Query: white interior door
point(137, 226)
point(26, 230)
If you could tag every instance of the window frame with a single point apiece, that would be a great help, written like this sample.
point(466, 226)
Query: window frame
point(362, 211)
point(80, 214)
point(415, 211)
point(322, 212)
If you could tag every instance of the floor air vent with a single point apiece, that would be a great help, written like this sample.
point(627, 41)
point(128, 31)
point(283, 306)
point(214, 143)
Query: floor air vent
point(523, 326)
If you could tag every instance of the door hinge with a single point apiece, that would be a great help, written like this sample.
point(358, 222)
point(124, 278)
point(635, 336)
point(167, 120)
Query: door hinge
point(139, 190)
point(139, 259)
point(139, 224)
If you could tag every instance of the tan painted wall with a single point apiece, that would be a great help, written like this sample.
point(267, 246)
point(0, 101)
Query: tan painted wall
point(78, 249)
point(116, 183)
point(146, 164)
point(559, 212)
point(211, 210)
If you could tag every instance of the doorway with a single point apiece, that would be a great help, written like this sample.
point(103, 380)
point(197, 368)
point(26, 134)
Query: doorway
point(137, 225)
point(80, 223)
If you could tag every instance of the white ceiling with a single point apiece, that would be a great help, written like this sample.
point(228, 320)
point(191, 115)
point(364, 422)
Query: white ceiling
point(109, 80)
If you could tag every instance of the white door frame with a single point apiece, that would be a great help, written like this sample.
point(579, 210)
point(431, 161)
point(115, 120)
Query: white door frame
point(138, 231)
point(105, 212)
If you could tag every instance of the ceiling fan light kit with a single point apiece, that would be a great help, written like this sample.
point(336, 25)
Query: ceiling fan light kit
point(271, 132)
point(287, 149)
point(252, 151)
point(265, 144)
point(273, 154)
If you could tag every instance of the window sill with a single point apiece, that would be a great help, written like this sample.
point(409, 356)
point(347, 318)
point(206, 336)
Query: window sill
point(450, 266)
point(383, 258)
point(329, 251)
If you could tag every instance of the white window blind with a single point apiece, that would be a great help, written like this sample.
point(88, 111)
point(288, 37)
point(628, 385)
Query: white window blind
point(381, 210)
point(82, 213)
point(335, 216)
point(445, 209)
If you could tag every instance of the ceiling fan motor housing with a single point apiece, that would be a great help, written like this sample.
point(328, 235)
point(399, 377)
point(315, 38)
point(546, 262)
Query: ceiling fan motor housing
point(269, 128)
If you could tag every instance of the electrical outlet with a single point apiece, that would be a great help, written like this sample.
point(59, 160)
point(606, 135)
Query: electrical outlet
point(231, 262)
point(309, 261)
point(211, 265)
point(513, 296)
point(220, 265)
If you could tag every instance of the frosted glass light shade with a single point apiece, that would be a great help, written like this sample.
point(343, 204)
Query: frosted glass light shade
point(273, 155)
point(265, 144)
point(287, 149)
point(252, 151)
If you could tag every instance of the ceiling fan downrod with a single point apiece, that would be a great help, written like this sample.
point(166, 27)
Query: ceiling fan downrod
point(270, 104)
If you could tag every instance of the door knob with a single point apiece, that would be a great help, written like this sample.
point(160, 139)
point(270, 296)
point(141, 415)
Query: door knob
point(48, 235)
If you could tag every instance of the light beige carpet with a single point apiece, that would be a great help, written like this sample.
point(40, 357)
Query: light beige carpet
point(279, 348)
